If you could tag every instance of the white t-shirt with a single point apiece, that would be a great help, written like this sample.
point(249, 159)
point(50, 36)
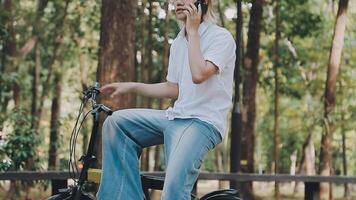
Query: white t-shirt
point(211, 100)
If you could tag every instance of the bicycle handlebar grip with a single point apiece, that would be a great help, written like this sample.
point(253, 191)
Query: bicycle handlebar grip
point(107, 110)
point(95, 90)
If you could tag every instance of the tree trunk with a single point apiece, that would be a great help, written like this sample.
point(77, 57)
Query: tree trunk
point(308, 158)
point(35, 84)
point(149, 67)
point(145, 159)
point(276, 139)
point(146, 50)
point(10, 51)
point(4, 100)
point(329, 99)
point(157, 166)
point(308, 154)
point(331, 6)
point(165, 54)
point(33, 41)
point(116, 56)
point(219, 150)
point(58, 39)
point(148, 76)
point(143, 64)
point(293, 165)
point(251, 61)
point(236, 124)
point(53, 161)
point(307, 162)
point(344, 160)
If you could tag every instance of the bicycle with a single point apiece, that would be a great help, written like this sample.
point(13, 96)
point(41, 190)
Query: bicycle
point(80, 191)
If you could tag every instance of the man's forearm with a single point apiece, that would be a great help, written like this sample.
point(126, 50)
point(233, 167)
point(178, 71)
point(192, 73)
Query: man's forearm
point(157, 90)
point(201, 69)
point(196, 60)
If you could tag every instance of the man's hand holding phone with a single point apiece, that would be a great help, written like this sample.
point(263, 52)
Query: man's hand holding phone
point(193, 20)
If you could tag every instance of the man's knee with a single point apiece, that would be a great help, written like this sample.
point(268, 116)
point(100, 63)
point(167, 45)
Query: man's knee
point(117, 118)
point(111, 126)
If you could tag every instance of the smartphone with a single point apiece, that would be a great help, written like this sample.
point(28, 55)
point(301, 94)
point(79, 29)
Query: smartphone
point(204, 6)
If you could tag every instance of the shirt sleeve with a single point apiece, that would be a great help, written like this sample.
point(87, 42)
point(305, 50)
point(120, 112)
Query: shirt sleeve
point(172, 74)
point(221, 50)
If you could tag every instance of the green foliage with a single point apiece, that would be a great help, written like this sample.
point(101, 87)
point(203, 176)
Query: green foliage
point(21, 144)
point(299, 18)
point(5, 164)
point(304, 50)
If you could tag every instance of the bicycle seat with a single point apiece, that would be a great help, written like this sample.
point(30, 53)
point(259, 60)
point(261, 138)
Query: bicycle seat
point(227, 194)
point(152, 182)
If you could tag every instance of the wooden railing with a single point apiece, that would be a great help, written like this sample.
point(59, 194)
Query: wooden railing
point(59, 179)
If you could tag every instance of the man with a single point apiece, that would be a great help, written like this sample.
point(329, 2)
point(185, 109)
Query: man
point(200, 78)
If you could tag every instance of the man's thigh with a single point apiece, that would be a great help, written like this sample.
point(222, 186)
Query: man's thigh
point(143, 126)
point(186, 145)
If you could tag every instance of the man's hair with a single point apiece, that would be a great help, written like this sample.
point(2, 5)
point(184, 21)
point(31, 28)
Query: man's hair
point(210, 16)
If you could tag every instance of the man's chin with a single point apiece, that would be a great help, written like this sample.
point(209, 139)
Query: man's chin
point(181, 17)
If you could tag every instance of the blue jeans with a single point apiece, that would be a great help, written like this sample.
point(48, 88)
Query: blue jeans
point(126, 132)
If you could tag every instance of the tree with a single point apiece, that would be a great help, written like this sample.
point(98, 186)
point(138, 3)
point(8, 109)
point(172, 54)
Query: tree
point(116, 54)
point(249, 85)
point(142, 48)
point(53, 160)
point(329, 98)
point(147, 77)
point(344, 160)
point(37, 67)
point(236, 125)
point(57, 42)
point(10, 51)
point(276, 140)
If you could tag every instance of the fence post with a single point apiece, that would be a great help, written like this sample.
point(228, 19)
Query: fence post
point(311, 191)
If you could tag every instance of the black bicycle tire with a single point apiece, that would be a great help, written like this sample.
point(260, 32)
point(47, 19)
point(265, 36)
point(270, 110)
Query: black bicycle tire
point(223, 197)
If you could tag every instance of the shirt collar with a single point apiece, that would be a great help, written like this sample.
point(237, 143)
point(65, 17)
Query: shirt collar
point(202, 28)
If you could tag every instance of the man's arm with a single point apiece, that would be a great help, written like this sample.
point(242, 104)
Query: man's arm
point(201, 69)
point(157, 90)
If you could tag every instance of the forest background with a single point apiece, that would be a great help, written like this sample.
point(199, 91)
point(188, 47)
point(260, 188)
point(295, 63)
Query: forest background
point(297, 80)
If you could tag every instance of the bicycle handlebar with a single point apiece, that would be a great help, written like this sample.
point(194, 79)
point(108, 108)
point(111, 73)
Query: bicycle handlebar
point(92, 92)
